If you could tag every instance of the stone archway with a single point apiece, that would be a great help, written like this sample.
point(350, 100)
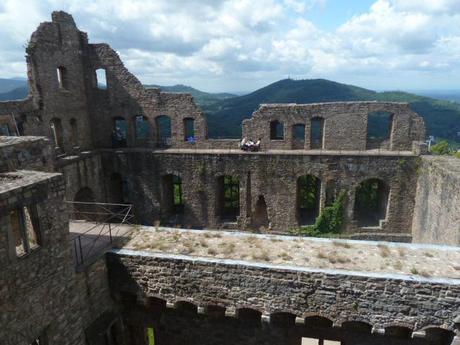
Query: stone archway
point(83, 209)
point(260, 219)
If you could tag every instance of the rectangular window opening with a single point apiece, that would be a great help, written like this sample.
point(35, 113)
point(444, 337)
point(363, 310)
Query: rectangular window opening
point(101, 79)
point(62, 77)
point(24, 230)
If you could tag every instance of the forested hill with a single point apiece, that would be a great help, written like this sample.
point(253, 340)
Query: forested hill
point(442, 118)
point(226, 111)
point(204, 99)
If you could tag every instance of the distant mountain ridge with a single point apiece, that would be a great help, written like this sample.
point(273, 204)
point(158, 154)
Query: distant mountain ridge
point(207, 101)
point(7, 85)
point(225, 111)
point(17, 93)
point(442, 118)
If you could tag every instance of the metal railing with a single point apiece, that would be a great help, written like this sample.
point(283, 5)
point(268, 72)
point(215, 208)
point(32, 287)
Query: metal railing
point(95, 226)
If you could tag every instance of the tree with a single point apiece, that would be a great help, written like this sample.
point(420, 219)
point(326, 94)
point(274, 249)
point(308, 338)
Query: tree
point(441, 148)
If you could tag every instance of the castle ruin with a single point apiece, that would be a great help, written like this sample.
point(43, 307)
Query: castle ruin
point(76, 144)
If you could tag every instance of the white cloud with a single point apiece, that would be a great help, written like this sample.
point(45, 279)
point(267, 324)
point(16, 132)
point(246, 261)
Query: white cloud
point(218, 44)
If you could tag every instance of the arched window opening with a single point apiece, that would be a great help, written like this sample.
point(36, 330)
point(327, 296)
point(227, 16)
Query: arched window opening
point(308, 199)
point(83, 204)
point(62, 77)
point(249, 316)
point(439, 336)
point(163, 126)
point(318, 322)
point(282, 319)
point(5, 128)
point(379, 125)
point(276, 130)
point(189, 130)
point(229, 198)
point(141, 127)
point(118, 194)
point(357, 326)
point(260, 219)
point(119, 132)
point(117, 189)
point(178, 201)
point(371, 201)
point(317, 133)
point(298, 133)
point(186, 307)
point(56, 132)
point(173, 202)
point(156, 305)
point(101, 79)
point(74, 132)
point(113, 333)
point(398, 332)
point(215, 311)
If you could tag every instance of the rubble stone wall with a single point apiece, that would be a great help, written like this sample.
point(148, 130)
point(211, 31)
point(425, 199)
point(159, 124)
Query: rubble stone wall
point(340, 296)
point(437, 201)
point(345, 124)
point(272, 176)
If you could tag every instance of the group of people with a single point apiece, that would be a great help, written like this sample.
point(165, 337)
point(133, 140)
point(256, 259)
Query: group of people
point(249, 145)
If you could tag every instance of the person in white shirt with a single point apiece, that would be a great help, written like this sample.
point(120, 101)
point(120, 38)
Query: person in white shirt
point(250, 145)
point(243, 144)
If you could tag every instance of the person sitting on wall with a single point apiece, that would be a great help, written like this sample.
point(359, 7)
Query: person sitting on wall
point(249, 145)
point(243, 144)
point(191, 140)
point(257, 145)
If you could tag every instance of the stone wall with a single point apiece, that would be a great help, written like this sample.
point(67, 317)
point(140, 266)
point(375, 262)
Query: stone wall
point(345, 125)
point(273, 176)
point(83, 171)
point(381, 301)
point(56, 48)
point(437, 202)
point(41, 295)
point(75, 97)
point(45, 271)
point(125, 98)
point(25, 153)
point(178, 326)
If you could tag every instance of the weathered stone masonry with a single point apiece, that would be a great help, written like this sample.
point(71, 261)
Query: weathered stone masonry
point(273, 176)
point(41, 295)
point(67, 104)
point(339, 296)
point(437, 211)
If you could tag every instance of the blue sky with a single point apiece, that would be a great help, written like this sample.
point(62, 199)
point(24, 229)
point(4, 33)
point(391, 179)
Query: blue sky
point(241, 45)
point(329, 15)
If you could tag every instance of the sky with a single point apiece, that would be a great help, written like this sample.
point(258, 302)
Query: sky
point(242, 45)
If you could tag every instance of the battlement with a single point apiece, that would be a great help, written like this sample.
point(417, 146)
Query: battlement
point(231, 273)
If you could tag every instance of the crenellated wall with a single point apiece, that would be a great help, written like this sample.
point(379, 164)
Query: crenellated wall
point(381, 301)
